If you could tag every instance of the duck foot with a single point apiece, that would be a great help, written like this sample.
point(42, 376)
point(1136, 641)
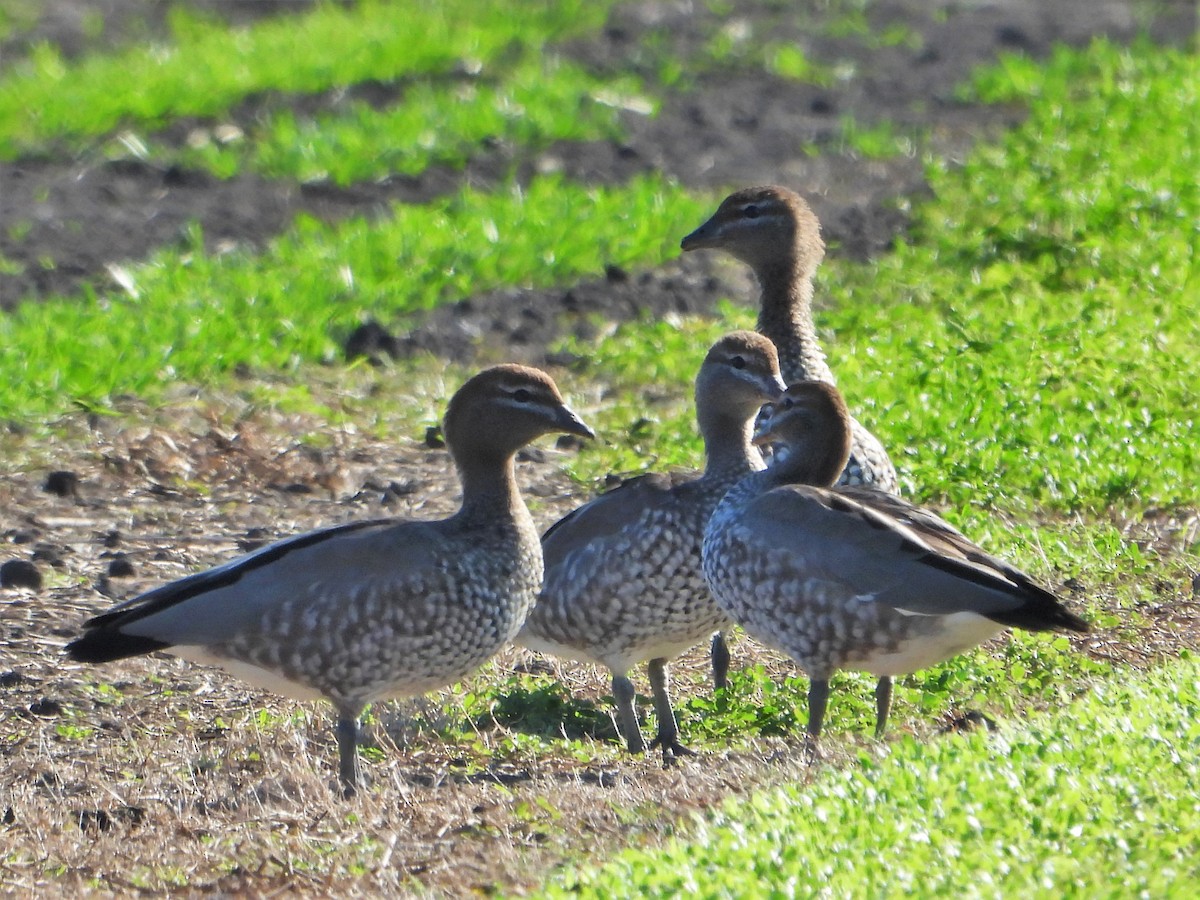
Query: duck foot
point(671, 749)
point(811, 752)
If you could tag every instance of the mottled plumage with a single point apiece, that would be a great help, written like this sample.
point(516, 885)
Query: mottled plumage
point(623, 579)
point(370, 610)
point(850, 577)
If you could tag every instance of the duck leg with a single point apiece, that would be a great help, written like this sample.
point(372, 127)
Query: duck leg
point(668, 731)
point(720, 661)
point(624, 695)
point(818, 696)
point(347, 739)
point(883, 704)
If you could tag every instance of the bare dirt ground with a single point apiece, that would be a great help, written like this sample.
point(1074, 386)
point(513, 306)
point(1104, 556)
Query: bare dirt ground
point(181, 755)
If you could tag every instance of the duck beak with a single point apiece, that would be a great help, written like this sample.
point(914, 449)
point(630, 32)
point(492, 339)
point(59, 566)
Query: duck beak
point(570, 423)
point(702, 237)
point(775, 388)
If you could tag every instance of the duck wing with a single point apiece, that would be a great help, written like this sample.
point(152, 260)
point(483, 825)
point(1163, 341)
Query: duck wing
point(884, 549)
point(210, 607)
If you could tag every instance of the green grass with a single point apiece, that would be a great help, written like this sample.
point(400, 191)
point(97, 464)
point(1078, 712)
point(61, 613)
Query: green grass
point(1095, 800)
point(188, 316)
point(1032, 345)
point(208, 67)
point(1034, 338)
point(533, 102)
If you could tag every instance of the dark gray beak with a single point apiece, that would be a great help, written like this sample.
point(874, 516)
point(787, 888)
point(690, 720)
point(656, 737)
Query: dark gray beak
point(570, 423)
point(700, 238)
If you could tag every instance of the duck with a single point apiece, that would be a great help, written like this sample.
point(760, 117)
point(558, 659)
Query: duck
point(623, 572)
point(774, 231)
point(851, 577)
point(376, 609)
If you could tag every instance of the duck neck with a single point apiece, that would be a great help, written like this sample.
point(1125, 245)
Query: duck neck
point(729, 451)
point(489, 491)
point(785, 317)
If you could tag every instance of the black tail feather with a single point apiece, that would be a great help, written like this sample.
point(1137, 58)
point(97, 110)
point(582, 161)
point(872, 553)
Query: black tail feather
point(99, 645)
point(1042, 611)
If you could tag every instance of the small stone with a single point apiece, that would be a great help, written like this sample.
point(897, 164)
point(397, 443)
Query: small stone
point(614, 274)
point(46, 707)
point(568, 442)
point(372, 341)
point(61, 484)
point(531, 454)
point(20, 573)
point(433, 438)
point(50, 553)
point(120, 567)
point(102, 819)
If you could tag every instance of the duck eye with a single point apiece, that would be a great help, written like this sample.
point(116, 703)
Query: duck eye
point(738, 362)
point(750, 212)
point(522, 396)
point(787, 403)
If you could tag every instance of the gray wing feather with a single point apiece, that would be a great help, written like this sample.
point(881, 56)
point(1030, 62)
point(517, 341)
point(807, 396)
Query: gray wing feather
point(896, 554)
point(212, 606)
point(586, 529)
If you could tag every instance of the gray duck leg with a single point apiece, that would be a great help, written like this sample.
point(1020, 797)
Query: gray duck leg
point(720, 661)
point(624, 695)
point(347, 739)
point(668, 731)
point(818, 696)
point(883, 704)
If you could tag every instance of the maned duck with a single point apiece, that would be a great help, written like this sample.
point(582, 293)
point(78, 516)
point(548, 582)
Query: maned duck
point(851, 577)
point(623, 580)
point(370, 610)
point(774, 231)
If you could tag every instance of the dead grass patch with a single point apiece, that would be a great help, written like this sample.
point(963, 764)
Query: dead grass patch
point(153, 774)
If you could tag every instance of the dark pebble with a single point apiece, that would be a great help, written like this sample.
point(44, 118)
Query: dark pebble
point(46, 707)
point(568, 442)
point(103, 820)
point(120, 567)
point(615, 274)
point(372, 341)
point(49, 553)
point(61, 484)
point(20, 573)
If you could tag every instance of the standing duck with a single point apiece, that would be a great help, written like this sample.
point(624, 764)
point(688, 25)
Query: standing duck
point(772, 230)
point(849, 577)
point(623, 579)
point(370, 610)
